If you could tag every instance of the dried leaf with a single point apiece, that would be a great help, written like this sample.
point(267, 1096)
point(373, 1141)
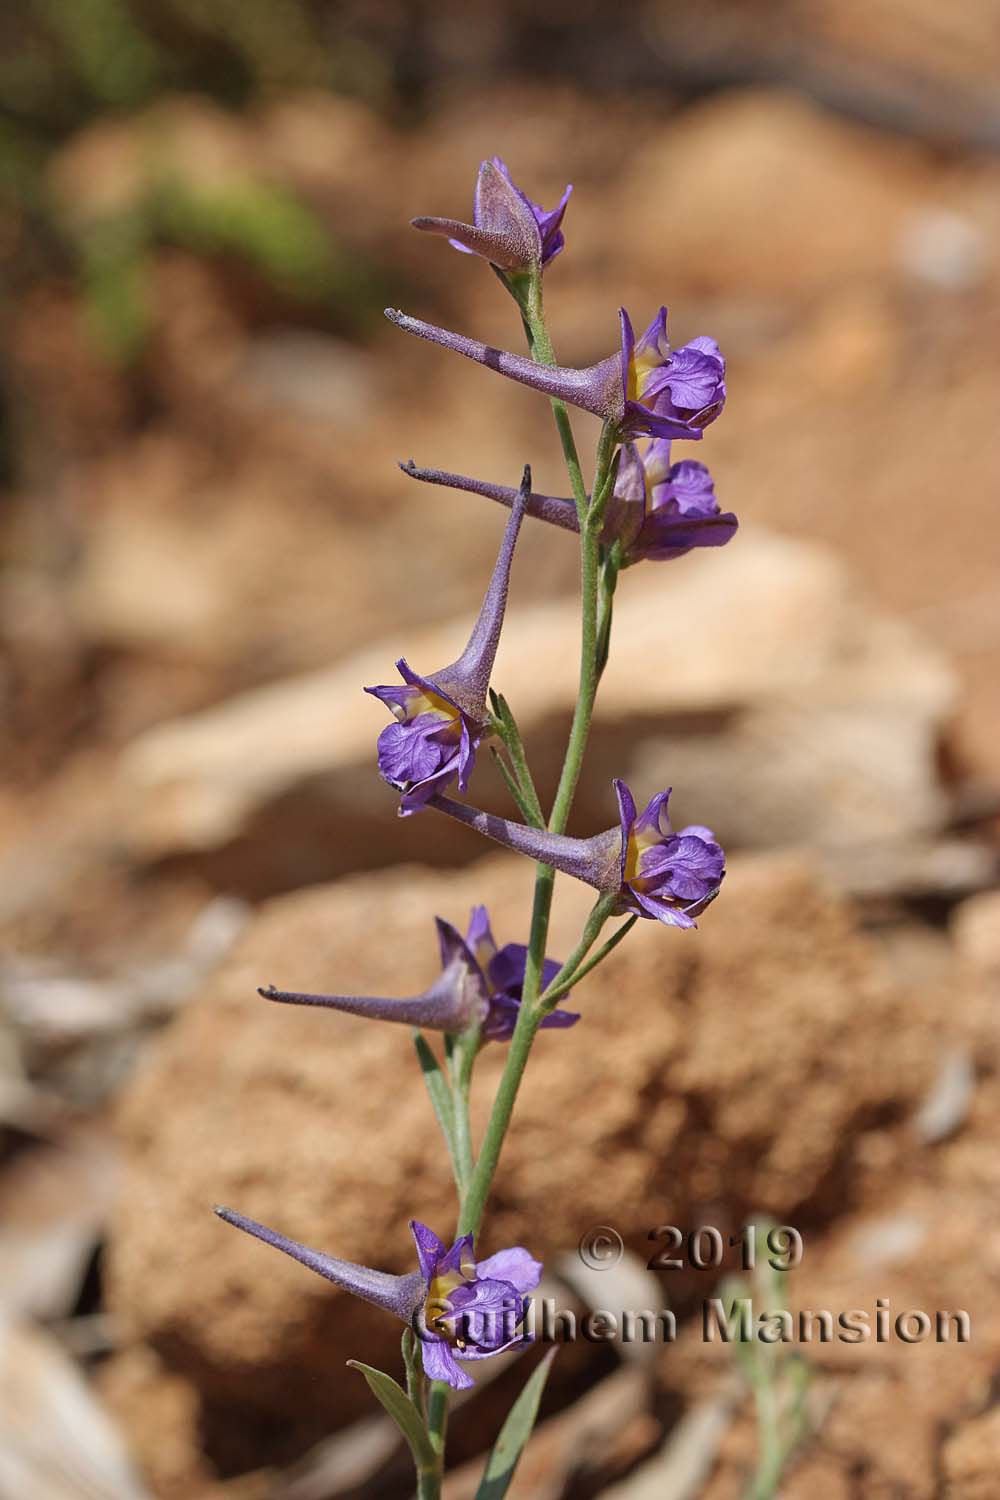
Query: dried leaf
point(56, 1441)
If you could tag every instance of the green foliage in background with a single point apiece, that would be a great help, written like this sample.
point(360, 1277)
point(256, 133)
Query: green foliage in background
point(67, 63)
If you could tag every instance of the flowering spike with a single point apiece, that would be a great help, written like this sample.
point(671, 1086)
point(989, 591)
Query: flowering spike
point(451, 1302)
point(441, 719)
point(479, 984)
point(507, 229)
point(654, 871)
point(401, 1295)
point(646, 388)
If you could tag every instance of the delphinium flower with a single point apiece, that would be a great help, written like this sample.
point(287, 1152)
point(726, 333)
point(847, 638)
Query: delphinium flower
point(479, 985)
point(507, 228)
point(651, 870)
point(646, 388)
point(658, 510)
point(454, 1304)
point(504, 970)
point(441, 717)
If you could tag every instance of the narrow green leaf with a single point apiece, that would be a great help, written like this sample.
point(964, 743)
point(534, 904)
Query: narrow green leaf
point(515, 791)
point(438, 1088)
point(402, 1411)
point(514, 1435)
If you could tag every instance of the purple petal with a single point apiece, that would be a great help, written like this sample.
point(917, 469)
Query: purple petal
point(458, 1257)
point(650, 906)
point(396, 698)
point(439, 1364)
point(430, 1250)
point(687, 868)
point(631, 482)
point(560, 1020)
point(485, 1315)
point(626, 814)
point(688, 485)
point(662, 421)
point(414, 752)
point(504, 1011)
point(698, 831)
point(665, 536)
point(516, 1266)
point(655, 816)
point(655, 340)
point(417, 796)
point(627, 351)
point(452, 945)
point(480, 935)
point(693, 379)
point(506, 969)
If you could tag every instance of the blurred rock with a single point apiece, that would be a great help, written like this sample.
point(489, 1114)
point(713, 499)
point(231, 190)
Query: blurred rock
point(54, 1200)
point(742, 1071)
point(161, 1413)
point(56, 1440)
point(761, 667)
point(971, 1459)
point(976, 929)
point(779, 199)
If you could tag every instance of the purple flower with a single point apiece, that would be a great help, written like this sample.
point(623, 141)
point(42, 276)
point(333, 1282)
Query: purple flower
point(658, 510)
point(647, 388)
point(452, 1303)
point(479, 984)
point(507, 228)
point(662, 510)
point(441, 718)
point(667, 875)
point(503, 972)
point(474, 1309)
point(652, 870)
point(669, 393)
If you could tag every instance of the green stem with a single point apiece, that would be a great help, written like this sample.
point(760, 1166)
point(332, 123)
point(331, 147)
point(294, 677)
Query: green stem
point(429, 1480)
point(511, 737)
point(462, 1061)
point(416, 1385)
point(543, 353)
point(510, 781)
point(531, 1011)
point(530, 1014)
point(599, 914)
point(773, 1455)
point(561, 986)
